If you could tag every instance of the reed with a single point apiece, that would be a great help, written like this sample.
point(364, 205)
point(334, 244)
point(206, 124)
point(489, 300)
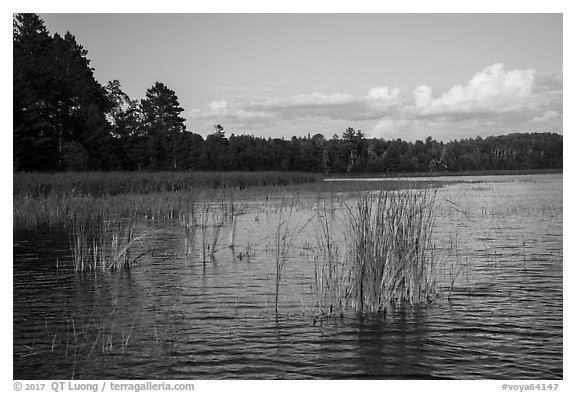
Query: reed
point(284, 238)
point(51, 199)
point(96, 184)
point(213, 211)
point(331, 273)
point(100, 243)
point(392, 249)
point(386, 256)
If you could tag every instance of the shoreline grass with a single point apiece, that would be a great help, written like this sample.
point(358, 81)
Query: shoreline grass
point(52, 199)
point(98, 184)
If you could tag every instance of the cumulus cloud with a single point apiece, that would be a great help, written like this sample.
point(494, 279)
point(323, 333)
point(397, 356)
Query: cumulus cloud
point(492, 90)
point(382, 99)
point(492, 99)
point(423, 96)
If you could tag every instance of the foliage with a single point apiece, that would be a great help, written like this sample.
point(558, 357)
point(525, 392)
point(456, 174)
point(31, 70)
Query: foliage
point(57, 101)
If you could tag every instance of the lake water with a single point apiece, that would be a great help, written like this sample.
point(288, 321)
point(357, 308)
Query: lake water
point(176, 316)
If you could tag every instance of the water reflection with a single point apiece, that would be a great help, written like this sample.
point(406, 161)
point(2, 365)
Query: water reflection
point(395, 346)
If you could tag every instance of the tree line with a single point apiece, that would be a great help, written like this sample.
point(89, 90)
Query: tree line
point(65, 120)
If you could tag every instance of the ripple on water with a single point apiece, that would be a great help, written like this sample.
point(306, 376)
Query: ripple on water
point(174, 317)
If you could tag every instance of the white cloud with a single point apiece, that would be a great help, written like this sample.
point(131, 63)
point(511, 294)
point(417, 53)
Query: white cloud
point(218, 108)
point(547, 116)
point(382, 98)
point(423, 96)
point(492, 90)
point(389, 127)
point(493, 99)
point(215, 109)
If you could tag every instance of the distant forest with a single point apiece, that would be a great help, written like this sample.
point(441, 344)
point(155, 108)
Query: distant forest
point(65, 120)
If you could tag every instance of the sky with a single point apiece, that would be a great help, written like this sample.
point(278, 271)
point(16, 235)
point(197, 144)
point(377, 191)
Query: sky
point(408, 76)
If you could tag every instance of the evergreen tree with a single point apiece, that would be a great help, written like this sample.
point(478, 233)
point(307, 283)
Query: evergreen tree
point(162, 126)
point(58, 105)
point(126, 118)
point(79, 102)
point(35, 140)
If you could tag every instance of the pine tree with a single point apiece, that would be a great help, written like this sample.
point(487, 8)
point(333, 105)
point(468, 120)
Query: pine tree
point(80, 102)
point(163, 126)
point(35, 139)
point(58, 105)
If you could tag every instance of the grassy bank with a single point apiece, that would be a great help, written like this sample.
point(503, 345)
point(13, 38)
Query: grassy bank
point(52, 199)
point(96, 184)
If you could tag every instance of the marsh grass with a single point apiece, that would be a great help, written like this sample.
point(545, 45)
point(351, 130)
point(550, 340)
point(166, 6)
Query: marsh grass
point(101, 243)
point(211, 226)
point(214, 211)
point(386, 256)
point(97, 184)
point(331, 273)
point(285, 235)
point(392, 249)
point(44, 199)
point(51, 198)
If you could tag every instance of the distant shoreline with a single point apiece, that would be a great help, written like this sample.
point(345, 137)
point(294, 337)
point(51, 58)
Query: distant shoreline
point(493, 172)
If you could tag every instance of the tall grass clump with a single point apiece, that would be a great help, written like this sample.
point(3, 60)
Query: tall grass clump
point(99, 242)
point(331, 272)
point(392, 253)
point(384, 257)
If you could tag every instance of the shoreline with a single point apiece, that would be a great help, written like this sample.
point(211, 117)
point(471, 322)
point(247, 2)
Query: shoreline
point(492, 172)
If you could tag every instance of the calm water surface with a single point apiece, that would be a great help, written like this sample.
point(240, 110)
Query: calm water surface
point(173, 316)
